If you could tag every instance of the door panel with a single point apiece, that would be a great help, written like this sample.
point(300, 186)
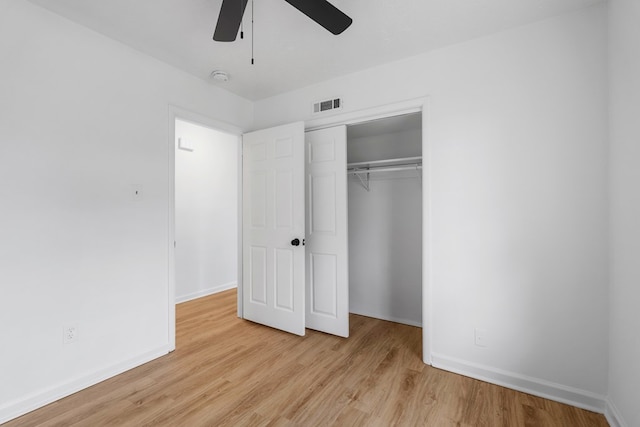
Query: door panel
point(274, 215)
point(258, 265)
point(324, 284)
point(322, 204)
point(327, 291)
point(284, 279)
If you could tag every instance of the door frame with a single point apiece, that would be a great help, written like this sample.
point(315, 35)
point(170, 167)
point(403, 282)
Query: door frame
point(416, 105)
point(178, 113)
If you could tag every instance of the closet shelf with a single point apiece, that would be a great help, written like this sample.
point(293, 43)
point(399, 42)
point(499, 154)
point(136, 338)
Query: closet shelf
point(360, 169)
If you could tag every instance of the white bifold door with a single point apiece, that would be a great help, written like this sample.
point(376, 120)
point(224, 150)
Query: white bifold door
point(295, 276)
point(327, 284)
point(273, 261)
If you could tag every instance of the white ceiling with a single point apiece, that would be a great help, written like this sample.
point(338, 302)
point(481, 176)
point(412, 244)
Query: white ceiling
point(291, 51)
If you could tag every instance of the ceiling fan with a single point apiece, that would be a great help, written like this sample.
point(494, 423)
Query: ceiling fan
point(321, 11)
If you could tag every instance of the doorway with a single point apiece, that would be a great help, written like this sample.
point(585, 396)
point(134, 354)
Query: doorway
point(418, 106)
point(204, 187)
point(325, 209)
point(384, 164)
point(206, 211)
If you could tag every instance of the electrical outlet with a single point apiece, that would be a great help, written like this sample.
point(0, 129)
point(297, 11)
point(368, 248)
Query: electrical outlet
point(481, 337)
point(69, 334)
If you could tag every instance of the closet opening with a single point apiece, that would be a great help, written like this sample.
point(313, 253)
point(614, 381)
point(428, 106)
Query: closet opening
point(384, 167)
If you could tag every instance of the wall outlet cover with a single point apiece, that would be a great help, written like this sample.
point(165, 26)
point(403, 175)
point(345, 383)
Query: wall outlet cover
point(69, 334)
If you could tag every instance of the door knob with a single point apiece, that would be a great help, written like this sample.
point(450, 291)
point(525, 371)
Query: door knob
point(295, 242)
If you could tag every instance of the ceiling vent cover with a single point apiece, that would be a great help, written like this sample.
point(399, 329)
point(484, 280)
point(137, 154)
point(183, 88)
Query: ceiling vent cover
point(327, 105)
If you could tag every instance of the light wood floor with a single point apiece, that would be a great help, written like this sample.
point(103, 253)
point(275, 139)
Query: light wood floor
point(230, 372)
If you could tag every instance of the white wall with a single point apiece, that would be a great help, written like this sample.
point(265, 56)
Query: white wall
point(385, 231)
point(624, 364)
point(82, 120)
point(206, 211)
point(518, 144)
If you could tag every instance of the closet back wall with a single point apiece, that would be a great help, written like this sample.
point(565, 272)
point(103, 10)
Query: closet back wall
point(385, 232)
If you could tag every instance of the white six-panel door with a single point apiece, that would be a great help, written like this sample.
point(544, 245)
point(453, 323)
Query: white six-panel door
point(273, 284)
point(327, 284)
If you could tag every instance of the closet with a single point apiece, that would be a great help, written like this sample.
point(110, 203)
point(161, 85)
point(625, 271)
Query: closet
point(332, 224)
point(384, 167)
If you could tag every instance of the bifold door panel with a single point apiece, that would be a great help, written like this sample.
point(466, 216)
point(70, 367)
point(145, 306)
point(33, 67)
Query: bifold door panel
point(293, 279)
point(327, 284)
point(273, 217)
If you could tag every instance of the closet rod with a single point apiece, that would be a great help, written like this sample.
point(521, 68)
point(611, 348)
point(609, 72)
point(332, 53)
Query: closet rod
point(390, 162)
point(358, 171)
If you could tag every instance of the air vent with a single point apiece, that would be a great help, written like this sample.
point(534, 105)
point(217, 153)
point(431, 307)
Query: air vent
point(328, 105)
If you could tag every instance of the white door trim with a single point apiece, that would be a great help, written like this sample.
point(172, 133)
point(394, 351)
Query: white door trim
point(405, 107)
point(368, 114)
point(176, 112)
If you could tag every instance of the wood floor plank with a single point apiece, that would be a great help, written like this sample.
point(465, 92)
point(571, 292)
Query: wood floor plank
point(230, 372)
point(353, 417)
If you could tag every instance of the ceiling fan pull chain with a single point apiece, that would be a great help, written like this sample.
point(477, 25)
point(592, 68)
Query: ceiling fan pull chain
point(251, 32)
point(241, 20)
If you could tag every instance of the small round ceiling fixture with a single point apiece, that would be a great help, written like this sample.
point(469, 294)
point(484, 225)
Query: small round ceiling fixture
point(219, 76)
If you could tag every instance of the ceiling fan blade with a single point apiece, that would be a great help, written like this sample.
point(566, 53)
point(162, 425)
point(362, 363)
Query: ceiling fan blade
point(324, 13)
point(229, 20)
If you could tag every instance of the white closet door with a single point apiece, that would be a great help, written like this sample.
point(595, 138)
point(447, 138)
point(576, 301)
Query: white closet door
point(273, 218)
point(327, 255)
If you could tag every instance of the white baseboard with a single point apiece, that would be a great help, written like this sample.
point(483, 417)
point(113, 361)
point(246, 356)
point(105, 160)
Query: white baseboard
point(19, 407)
point(388, 318)
point(206, 292)
point(535, 386)
point(613, 415)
